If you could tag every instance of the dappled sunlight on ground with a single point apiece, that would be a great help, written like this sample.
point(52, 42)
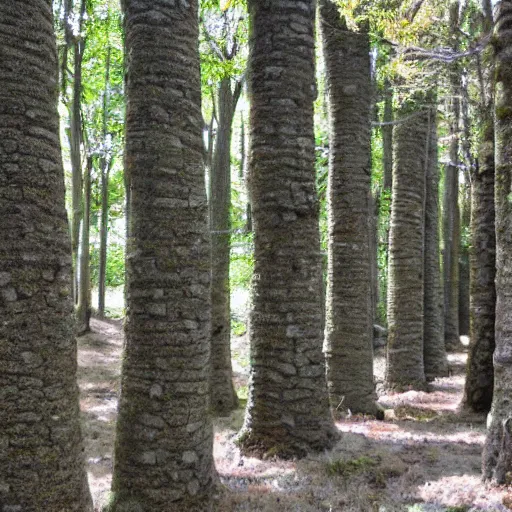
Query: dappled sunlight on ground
point(425, 457)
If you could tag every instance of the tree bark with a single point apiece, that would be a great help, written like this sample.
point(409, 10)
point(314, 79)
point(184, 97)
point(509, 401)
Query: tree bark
point(163, 451)
point(223, 394)
point(75, 141)
point(105, 175)
point(405, 363)
point(465, 221)
point(479, 382)
point(41, 451)
point(288, 408)
point(451, 220)
point(434, 352)
point(83, 307)
point(497, 456)
point(349, 312)
point(387, 136)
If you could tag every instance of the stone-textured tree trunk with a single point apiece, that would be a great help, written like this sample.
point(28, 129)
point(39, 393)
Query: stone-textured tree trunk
point(451, 219)
point(288, 409)
point(163, 452)
point(497, 457)
point(223, 394)
point(405, 367)
point(41, 452)
point(434, 352)
point(480, 373)
point(349, 311)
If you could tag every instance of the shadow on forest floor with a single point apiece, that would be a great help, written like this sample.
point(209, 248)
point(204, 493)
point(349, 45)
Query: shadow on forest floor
point(425, 457)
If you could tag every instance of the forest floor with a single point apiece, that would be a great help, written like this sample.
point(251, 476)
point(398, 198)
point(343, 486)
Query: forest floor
point(425, 456)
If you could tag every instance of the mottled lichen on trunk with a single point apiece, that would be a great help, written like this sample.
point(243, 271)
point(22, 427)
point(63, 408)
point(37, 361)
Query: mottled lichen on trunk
point(163, 452)
point(349, 314)
point(41, 458)
point(405, 360)
point(288, 410)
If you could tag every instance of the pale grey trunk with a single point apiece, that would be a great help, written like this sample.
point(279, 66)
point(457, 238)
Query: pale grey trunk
point(405, 364)
point(163, 451)
point(41, 451)
point(349, 311)
point(288, 408)
point(223, 394)
point(497, 456)
point(434, 352)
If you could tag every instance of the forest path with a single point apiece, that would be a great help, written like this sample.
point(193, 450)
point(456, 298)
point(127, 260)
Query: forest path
point(425, 457)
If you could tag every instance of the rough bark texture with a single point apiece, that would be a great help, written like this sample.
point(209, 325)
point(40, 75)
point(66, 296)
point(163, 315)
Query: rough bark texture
point(434, 352)
point(480, 372)
point(349, 311)
point(288, 409)
point(497, 457)
point(223, 394)
point(163, 451)
point(405, 277)
point(41, 459)
point(451, 219)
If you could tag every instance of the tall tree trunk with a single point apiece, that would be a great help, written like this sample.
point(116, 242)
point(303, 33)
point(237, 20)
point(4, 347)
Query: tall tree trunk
point(288, 408)
point(465, 218)
point(243, 175)
point(480, 372)
point(434, 352)
point(497, 457)
point(465, 221)
point(451, 220)
point(349, 312)
point(405, 366)
point(105, 175)
point(83, 308)
point(387, 136)
point(41, 451)
point(223, 394)
point(163, 450)
point(75, 142)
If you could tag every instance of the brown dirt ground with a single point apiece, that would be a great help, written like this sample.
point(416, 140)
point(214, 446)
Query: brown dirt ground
point(425, 457)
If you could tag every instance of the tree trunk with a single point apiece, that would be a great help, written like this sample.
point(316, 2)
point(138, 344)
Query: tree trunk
point(105, 174)
point(451, 220)
point(41, 451)
point(223, 394)
point(405, 366)
point(83, 308)
point(480, 372)
point(497, 457)
point(288, 408)
point(434, 352)
point(349, 312)
point(387, 136)
point(465, 221)
point(75, 142)
point(163, 452)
